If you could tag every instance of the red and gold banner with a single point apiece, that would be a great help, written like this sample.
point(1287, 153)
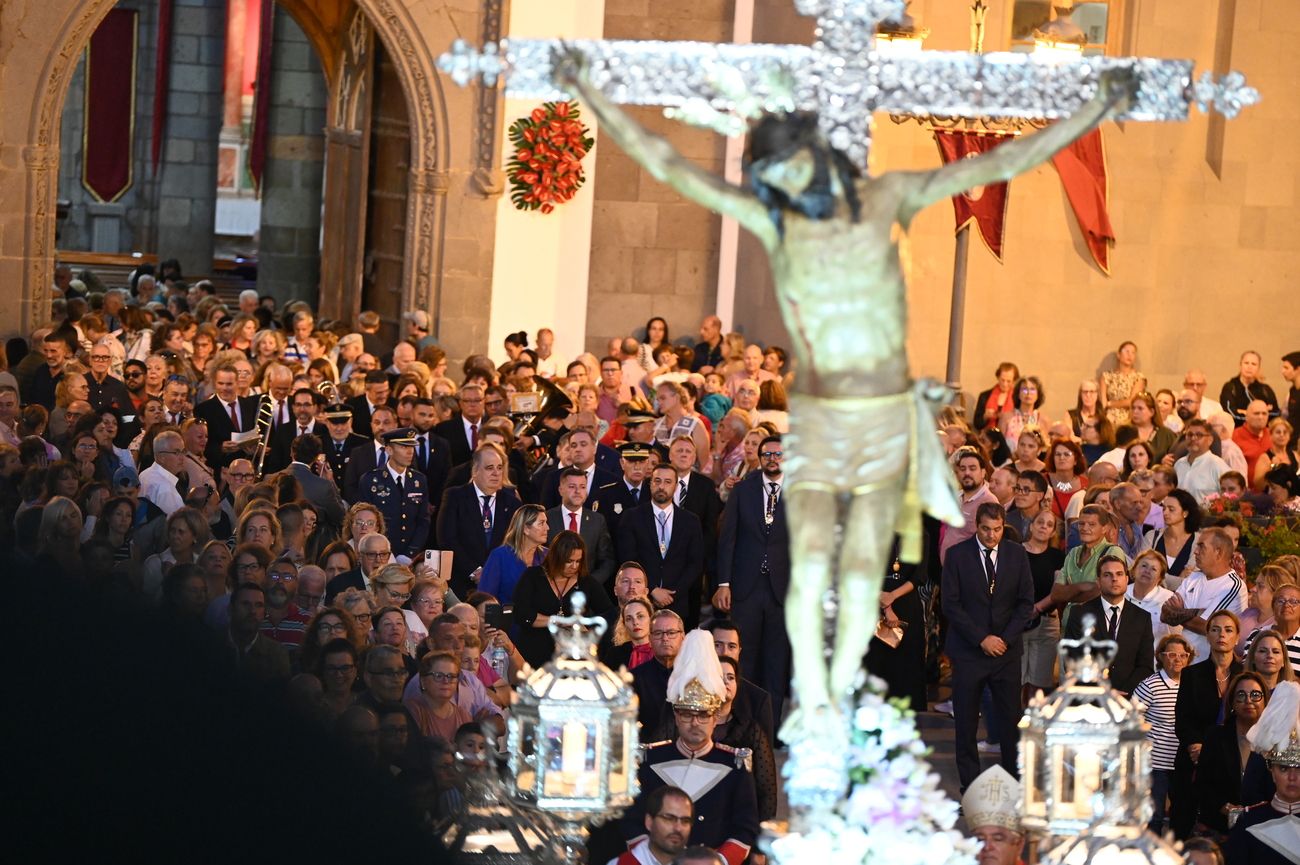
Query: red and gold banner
point(1082, 167)
point(985, 205)
point(161, 80)
point(257, 149)
point(109, 115)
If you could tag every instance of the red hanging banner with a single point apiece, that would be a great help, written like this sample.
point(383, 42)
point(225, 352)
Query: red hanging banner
point(1082, 167)
point(262, 98)
point(109, 115)
point(985, 205)
point(161, 80)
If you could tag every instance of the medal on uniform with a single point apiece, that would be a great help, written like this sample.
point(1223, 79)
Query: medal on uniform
point(487, 524)
point(618, 507)
point(663, 548)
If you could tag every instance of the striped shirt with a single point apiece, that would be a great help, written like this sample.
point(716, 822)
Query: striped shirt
point(1292, 645)
point(1159, 696)
point(1198, 592)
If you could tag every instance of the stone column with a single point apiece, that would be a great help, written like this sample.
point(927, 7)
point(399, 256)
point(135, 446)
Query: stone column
point(187, 201)
point(288, 251)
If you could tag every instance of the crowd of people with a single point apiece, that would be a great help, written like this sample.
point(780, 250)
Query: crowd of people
point(384, 539)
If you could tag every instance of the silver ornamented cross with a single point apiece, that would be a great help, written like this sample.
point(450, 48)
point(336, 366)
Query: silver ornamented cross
point(844, 79)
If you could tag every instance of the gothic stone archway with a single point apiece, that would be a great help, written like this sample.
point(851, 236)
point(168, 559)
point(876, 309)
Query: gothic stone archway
point(63, 27)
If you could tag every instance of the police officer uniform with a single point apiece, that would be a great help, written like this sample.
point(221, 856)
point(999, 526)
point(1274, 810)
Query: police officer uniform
point(615, 499)
point(403, 500)
point(336, 453)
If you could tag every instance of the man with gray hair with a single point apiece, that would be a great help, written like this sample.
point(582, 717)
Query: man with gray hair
point(160, 484)
point(1129, 508)
point(650, 680)
point(1222, 425)
point(247, 301)
point(146, 290)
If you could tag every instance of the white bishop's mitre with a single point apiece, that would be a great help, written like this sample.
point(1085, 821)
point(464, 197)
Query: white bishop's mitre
point(993, 799)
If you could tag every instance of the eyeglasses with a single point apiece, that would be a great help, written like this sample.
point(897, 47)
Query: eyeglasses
point(400, 597)
point(693, 716)
point(282, 578)
point(240, 476)
point(659, 635)
point(1196, 435)
point(771, 455)
point(1243, 696)
point(445, 678)
point(337, 669)
point(1024, 491)
point(166, 453)
point(245, 567)
point(376, 554)
point(335, 628)
point(361, 617)
point(133, 373)
point(363, 524)
point(101, 357)
point(1288, 603)
point(678, 819)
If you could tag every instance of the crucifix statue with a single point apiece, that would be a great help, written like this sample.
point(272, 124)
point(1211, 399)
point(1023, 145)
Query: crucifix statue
point(863, 460)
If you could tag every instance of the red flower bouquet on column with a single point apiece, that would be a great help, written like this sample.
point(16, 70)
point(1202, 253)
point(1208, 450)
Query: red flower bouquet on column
point(546, 168)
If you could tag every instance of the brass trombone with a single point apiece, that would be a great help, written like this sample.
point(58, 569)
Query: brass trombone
point(265, 418)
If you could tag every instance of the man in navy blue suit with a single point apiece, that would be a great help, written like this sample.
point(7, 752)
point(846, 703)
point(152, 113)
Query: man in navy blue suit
point(754, 571)
point(666, 540)
point(988, 598)
point(473, 518)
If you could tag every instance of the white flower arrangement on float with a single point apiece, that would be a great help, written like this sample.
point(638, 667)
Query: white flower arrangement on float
point(895, 812)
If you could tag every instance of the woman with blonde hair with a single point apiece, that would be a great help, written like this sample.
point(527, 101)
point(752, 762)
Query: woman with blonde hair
point(524, 547)
point(1279, 453)
point(361, 519)
point(241, 335)
point(58, 539)
point(409, 385)
point(631, 647)
point(1267, 656)
point(187, 531)
point(1259, 614)
point(259, 525)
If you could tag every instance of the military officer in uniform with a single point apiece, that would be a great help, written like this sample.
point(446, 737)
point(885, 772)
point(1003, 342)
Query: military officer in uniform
point(400, 493)
point(613, 500)
point(715, 776)
point(1265, 834)
point(341, 440)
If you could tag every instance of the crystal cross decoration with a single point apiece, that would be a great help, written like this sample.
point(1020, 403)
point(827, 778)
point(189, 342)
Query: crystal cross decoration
point(841, 76)
point(576, 636)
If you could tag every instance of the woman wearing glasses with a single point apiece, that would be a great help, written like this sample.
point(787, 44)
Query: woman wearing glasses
point(392, 588)
point(1158, 694)
point(434, 707)
point(1226, 753)
point(248, 564)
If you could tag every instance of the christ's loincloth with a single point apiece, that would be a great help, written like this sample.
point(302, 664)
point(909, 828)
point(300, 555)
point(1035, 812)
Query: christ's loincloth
point(858, 445)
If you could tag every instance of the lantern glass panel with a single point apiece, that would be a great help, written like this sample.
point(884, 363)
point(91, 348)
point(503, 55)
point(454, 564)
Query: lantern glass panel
point(618, 759)
point(526, 774)
point(570, 749)
point(1081, 779)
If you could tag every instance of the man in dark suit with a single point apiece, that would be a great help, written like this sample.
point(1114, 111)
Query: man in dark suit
point(667, 541)
point(432, 453)
point(988, 598)
point(697, 493)
point(368, 456)
point(752, 701)
point(340, 441)
point(363, 406)
point(570, 515)
point(224, 413)
point(304, 403)
point(576, 449)
point(319, 489)
point(473, 518)
point(373, 553)
point(754, 571)
point(615, 499)
point(1126, 623)
point(461, 430)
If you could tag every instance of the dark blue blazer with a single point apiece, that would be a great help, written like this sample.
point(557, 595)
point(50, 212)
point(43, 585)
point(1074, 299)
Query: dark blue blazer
point(746, 542)
point(972, 612)
point(681, 567)
point(460, 530)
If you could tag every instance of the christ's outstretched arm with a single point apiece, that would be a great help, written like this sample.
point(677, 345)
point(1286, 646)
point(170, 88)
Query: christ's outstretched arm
point(1114, 93)
point(658, 157)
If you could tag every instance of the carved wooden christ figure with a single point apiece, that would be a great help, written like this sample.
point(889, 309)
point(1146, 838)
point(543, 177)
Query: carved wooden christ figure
point(862, 458)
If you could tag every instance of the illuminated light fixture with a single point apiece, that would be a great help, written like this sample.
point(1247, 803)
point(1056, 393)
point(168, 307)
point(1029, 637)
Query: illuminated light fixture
point(1060, 40)
point(573, 733)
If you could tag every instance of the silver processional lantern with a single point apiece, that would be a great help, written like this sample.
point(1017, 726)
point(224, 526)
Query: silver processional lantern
point(573, 733)
point(1085, 763)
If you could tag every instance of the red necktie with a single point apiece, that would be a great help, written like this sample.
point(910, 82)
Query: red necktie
point(573, 523)
point(234, 420)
